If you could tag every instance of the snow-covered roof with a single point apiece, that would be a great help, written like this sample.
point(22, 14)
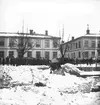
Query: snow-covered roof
point(4, 34)
point(92, 35)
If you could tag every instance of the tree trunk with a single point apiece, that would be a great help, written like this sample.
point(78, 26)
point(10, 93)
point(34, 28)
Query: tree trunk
point(22, 54)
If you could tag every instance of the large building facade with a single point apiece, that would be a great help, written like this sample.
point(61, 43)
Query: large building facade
point(83, 47)
point(46, 46)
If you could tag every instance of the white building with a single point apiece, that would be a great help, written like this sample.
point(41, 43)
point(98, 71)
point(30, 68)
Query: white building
point(46, 46)
point(86, 46)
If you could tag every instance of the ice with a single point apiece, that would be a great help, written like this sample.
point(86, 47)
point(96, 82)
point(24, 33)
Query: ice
point(58, 89)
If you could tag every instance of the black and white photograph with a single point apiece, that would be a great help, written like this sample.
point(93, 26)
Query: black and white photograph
point(49, 52)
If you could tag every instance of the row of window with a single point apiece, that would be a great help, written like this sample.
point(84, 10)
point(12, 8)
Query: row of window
point(93, 44)
point(74, 45)
point(13, 42)
point(85, 54)
point(29, 54)
point(11, 53)
point(38, 54)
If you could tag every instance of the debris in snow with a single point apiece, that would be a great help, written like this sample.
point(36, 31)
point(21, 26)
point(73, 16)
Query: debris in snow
point(40, 84)
point(4, 78)
point(43, 67)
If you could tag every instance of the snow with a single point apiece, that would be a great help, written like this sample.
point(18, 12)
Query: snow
point(58, 89)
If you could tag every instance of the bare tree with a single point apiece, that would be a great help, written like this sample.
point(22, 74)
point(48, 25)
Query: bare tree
point(22, 43)
point(63, 49)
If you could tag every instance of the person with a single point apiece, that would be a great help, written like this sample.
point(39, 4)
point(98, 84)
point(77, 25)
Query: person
point(7, 60)
point(3, 61)
point(54, 65)
point(0, 60)
point(12, 60)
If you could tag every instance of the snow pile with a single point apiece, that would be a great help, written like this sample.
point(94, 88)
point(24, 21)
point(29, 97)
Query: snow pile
point(72, 69)
point(20, 74)
point(5, 78)
point(46, 96)
point(56, 89)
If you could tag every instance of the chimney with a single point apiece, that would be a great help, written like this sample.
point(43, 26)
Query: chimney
point(46, 32)
point(87, 31)
point(72, 37)
point(31, 32)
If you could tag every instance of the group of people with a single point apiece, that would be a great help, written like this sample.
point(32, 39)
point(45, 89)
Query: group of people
point(7, 60)
point(23, 61)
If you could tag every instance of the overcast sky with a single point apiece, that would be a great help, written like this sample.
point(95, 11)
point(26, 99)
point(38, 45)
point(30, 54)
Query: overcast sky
point(51, 15)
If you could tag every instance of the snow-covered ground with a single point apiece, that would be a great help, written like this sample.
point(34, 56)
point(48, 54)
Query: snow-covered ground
point(55, 89)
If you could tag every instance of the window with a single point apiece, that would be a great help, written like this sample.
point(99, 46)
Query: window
point(85, 54)
point(73, 45)
point(93, 45)
point(54, 54)
point(98, 44)
point(19, 54)
point(38, 43)
point(21, 42)
point(12, 42)
point(98, 53)
point(70, 46)
point(79, 54)
point(76, 45)
point(79, 44)
point(47, 43)
point(55, 43)
point(86, 43)
point(47, 55)
point(93, 54)
point(1, 42)
point(38, 54)
point(30, 43)
point(68, 56)
point(73, 55)
point(11, 53)
point(29, 54)
point(1, 54)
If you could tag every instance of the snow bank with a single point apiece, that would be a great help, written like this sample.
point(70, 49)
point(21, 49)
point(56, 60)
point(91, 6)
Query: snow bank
point(58, 89)
point(72, 69)
point(46, 96)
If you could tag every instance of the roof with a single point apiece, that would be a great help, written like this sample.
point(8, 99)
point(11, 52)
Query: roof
point(9, 34)
point(91, 35)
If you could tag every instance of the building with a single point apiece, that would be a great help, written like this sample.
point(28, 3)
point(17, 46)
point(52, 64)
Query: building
point(83, 47)
point(46, 46)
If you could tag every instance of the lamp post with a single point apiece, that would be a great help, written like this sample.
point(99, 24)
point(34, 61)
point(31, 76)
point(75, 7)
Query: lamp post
point(96, 50)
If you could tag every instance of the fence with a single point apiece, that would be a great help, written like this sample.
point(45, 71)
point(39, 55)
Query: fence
point(79, 61)
point(23, 61)
point(33, 61)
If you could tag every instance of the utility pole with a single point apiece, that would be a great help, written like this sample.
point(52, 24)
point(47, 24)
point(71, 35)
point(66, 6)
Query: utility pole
point(63, 34)
point(23, 27)
point(96, 52)
point(27, 29)
point(68, 38)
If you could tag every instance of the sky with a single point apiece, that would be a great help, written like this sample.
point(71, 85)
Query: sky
point(52, 15)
